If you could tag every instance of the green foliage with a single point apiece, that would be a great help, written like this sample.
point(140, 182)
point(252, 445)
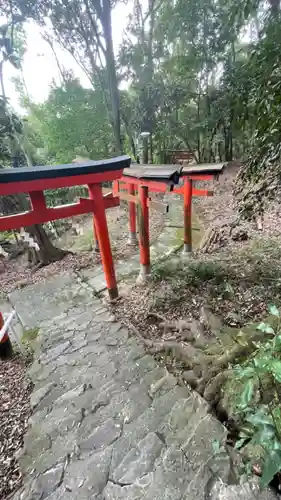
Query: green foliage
point(259, 402)
point(192, 273)
point(192, 79)
point(73, 121)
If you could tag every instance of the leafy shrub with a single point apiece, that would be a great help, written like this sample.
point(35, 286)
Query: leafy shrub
point(259, 402)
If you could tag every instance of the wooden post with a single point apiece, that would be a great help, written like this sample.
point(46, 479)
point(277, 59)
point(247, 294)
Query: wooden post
point(144, 233)
point(132, 240)
point(6, 349)
point(95, 193)
point(187, 212)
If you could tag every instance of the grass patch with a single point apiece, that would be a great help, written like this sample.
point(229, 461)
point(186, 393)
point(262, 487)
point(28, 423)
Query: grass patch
point(30, 336)
point(191, 273)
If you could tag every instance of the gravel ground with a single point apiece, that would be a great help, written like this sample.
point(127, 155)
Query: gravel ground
point(14, 414)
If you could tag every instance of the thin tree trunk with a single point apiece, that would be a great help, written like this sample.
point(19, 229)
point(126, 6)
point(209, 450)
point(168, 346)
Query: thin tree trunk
point(2, 80)
point(111, 75)
point(47, 251)
point(274, 7)
point(60, 70)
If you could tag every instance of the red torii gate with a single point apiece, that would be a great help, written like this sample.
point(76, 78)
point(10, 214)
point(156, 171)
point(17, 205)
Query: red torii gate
point(161, 178)
point(35, 180)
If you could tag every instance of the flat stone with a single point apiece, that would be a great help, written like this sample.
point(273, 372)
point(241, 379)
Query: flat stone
point(171, 476)
point(38, 396)
point(183, 419)
point(88, 477)
point(198, 447)
point(148, 421)
point(54, 353)
point(40, 302)
point(34, 446)
point(59, 421)
point(42, 486)
point(140, 460)
point(133, 372)
point(121, 492)
point(102, 437)
point(71, 395)
point(98, 283)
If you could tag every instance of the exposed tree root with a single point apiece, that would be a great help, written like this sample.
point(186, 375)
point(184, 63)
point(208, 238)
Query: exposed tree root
point(207, 373)
point(213, 389)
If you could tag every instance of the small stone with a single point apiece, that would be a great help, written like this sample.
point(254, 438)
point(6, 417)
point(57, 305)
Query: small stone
point(190, 377)
point(239, 235)
point(211, 320)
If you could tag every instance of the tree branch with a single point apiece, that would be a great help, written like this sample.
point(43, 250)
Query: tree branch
point(95, 28)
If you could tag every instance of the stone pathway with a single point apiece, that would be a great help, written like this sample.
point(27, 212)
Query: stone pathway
point(108, 423)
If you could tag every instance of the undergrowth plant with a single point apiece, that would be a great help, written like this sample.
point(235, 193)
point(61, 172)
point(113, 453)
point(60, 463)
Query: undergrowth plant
point(259, 403)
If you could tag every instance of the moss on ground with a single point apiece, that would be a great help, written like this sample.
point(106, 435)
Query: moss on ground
point(29, 337)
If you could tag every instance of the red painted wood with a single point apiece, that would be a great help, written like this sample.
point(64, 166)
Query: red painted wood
point(152, 185)
point(59, 182)
point(144, 227)
point(187, 206)
point(6, 335)
point(200, 177)
point(132, 211)
point(115, 185)
point(101, 229)
point(37, 200)
point(85, 205)
point(195, 191)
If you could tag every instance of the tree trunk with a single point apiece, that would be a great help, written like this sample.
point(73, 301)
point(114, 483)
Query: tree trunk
point(150, 149)
point(111, 75)
point(274, 7)
point(47, 251)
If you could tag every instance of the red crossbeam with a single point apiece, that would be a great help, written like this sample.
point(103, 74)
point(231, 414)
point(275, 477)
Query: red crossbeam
point(156, 187)
point(41, 213)
point(58, 182)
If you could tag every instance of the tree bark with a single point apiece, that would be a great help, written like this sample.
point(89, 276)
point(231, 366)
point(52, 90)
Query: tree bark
point(111, 75)
point(274, 7)
point(47, 251)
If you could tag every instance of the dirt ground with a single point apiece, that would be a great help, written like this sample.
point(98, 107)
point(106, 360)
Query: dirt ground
point(14, 413)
